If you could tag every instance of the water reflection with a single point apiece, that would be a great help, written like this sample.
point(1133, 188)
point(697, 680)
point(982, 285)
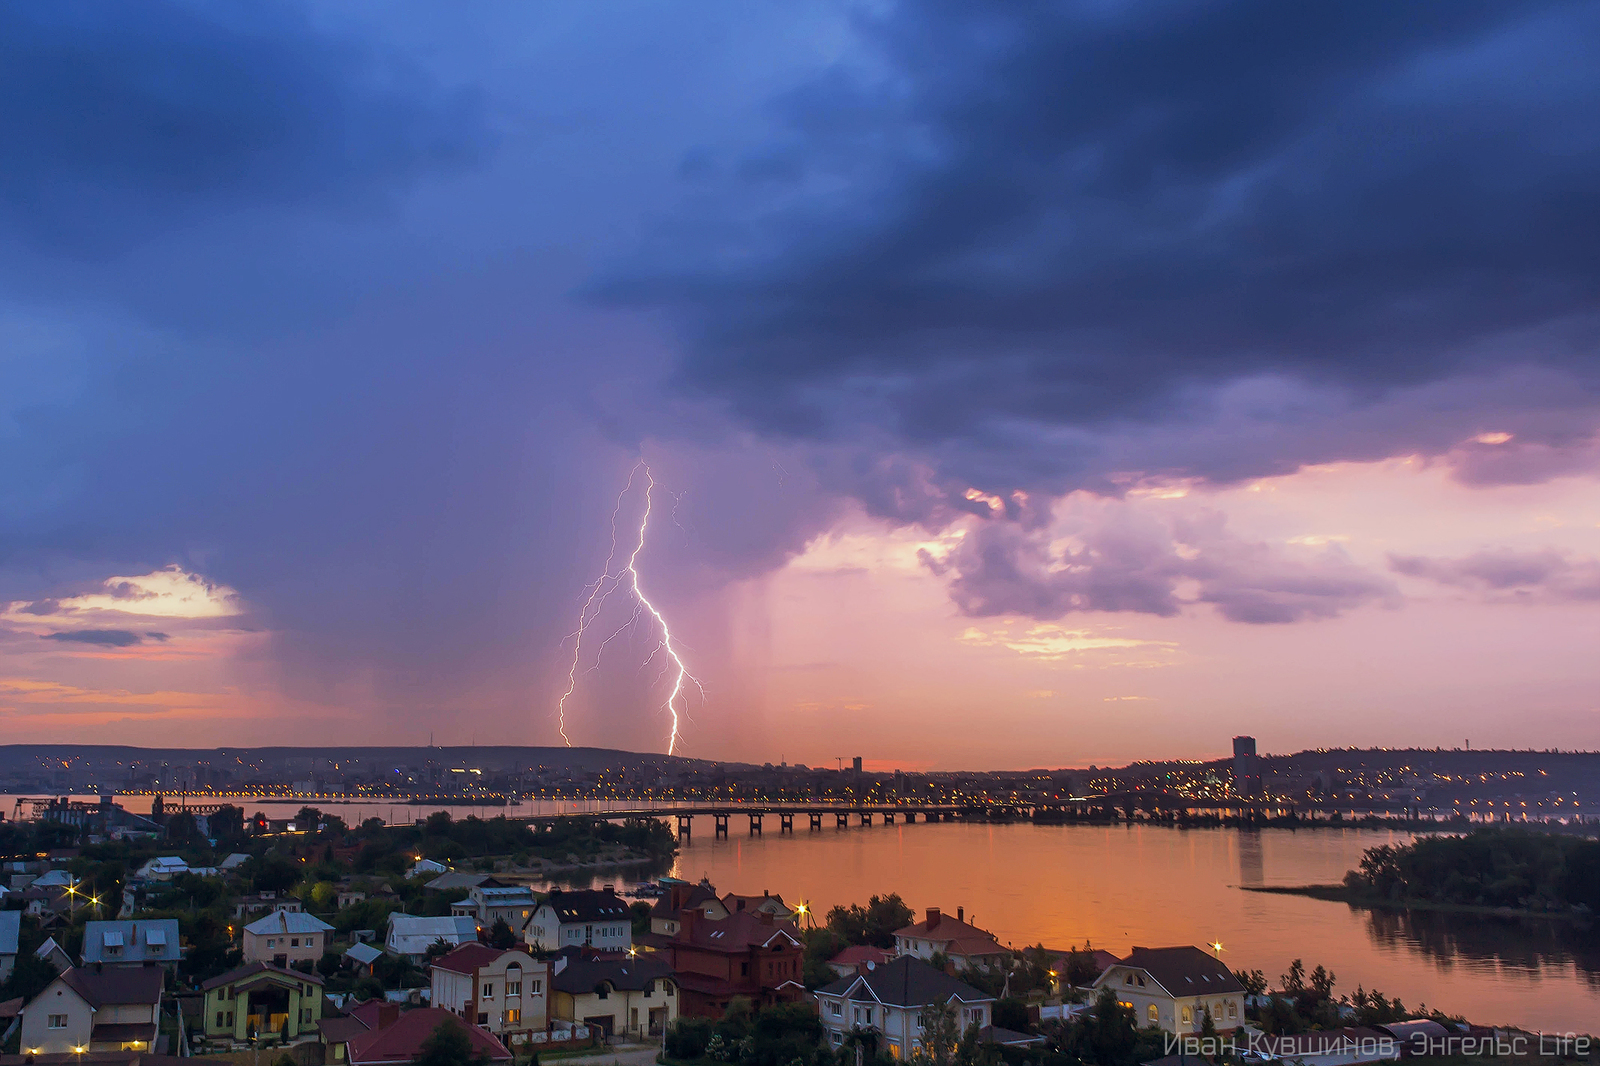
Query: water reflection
point(1251, 865)
point(1531, 947)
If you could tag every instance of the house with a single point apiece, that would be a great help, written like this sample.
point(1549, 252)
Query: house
point(766, 902)
point(621, 995)
point(400, 1042)
point(284, 938)
point(856, 957)
point(54, 879)
point(892, 1001)
point(349, 897)
point(452, 881)
point(233, 862)
point(258, 999)
point(586, 918)
point(132, 942)
point(10, 929)
point(1172, 988)
point(1058, 963)
point(50, 952)
point(745, 954)
point(965, 946)
point(46, 904)
point(503, 991)
point(412, 936)
point(247, 906)
point(162, 868)
point(82, 1010)
point(667, 915)
point(512, 904)
point(360, 957)
point(426, 868)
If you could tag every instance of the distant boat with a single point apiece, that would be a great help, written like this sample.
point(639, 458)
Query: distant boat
point(647, 889)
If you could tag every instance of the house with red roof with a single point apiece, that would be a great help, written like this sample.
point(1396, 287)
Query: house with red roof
point(965, 946)
point(399, 1037)
point(749, 954)
point(505, 991)
point(855, 958)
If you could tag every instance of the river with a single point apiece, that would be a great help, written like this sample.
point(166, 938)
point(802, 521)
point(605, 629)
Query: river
point(1121, 887)
point(1117, 887)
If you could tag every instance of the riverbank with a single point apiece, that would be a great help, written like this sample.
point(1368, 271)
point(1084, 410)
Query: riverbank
point(1341, 894)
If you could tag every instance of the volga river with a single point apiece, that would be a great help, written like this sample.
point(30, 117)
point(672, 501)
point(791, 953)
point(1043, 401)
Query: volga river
point(1149, 886)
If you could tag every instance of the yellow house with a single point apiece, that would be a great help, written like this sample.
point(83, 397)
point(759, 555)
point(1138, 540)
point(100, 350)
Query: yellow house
point(623, 996)
point(259, 999)
point(1173, 988)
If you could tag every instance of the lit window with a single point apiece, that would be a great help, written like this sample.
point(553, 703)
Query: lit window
point(1188, 1016)
point(513, 1017)
point(58, 1021)
point(1152, 1013)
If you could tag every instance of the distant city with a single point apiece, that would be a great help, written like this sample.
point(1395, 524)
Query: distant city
point(1481, 784)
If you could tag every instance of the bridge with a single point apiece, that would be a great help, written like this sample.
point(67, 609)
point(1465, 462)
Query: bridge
point(815, 815)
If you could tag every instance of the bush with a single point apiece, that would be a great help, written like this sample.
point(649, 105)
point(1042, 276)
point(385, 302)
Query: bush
point(688, 1037)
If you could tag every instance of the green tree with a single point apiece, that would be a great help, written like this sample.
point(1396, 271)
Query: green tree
point(1011, 1013)
point(1254, 981)
point(501, 936)
point(449, 1045)
point(1293, 982)
point(941, 1036)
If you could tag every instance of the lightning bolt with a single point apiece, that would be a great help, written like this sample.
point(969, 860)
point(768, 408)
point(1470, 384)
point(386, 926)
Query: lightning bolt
point(601, 589)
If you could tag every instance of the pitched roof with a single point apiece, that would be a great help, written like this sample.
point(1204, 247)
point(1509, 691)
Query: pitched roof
point(906, 982)
point(115, 984)
point(454, 880)
point(250, 969)
point(365, 954)
point(738, 932)
point(587, 905)
point(1184, 971)
point(288, 922)
point(402, 1041)
point(860, 954)
point(338, 1029)
point(697, 896)
point(960, 937)
point(411, 934)
point(469, 958)
point(136, 936)
point(585, 975)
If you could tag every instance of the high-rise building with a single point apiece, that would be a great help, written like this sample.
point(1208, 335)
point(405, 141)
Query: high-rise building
point(855, 764)
point(1246, 767)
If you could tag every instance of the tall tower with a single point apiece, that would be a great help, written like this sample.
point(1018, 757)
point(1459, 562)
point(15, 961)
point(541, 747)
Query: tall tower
point(1246, 767)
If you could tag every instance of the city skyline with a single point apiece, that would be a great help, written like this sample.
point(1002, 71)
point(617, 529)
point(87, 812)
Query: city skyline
point(1016, 386)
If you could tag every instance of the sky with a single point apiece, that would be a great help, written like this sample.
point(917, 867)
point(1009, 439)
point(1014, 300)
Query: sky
point(1039, 384)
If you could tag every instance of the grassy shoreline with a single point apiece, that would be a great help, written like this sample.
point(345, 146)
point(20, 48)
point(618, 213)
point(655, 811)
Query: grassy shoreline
point(1341, 894)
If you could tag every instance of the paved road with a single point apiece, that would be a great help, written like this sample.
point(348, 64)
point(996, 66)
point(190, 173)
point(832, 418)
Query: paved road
point(627, 1055)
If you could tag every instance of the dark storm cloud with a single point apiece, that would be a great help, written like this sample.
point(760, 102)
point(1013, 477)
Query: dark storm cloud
point(1124, 561)
point(118, 119)
point(1040, 218)
point(1541, 575)
point(110, 638)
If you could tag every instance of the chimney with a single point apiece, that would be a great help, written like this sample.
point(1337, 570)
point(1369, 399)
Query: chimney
point(961, 914)
point(686, 922)
point(933, 917)
point(765, 894)
point(611, 890)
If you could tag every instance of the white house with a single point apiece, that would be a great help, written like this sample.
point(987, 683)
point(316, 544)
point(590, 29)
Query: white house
point(163, 868)
point(586, 918)
point(132, 942)
point(893, 999)
point(412, 936)
point(514, 904)
point(505, 992)
point(966, 946)
point(116, 1009)
point(283, 938)
point(427, 868)
point(1172, 988)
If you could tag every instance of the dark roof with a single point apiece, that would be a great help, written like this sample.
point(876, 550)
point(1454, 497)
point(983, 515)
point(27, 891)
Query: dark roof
point(858, 954)
point(628, 975)
point(10, 1008)
point(402, 1041)
point(250, 969)
point(115, 984)
point(697, 896)
point(105, 1058)
point(339, 1029)
point(123, 1032)
point(588, 905)
point(1185, 971)
point(469, 958)
point(738, 932)
point(993, 1034)
point(907, 982)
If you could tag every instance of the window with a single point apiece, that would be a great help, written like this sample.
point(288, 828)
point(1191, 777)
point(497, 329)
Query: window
point(483, 1019)
point(513, 1017)
point(537, 986)
point(271, 943)
point(220, 1022)
point(294, 942)
point(58, 1021)
point(1233, 1010)
point(1188, 1016)
point(488, 991)
point(1151, 1013)
point(113, 949)
point(744, 969)
point(229, 1022)
point(603, 992)
point(666, 988)
point(513, 988)
point(836, 1009)
point(311, 941)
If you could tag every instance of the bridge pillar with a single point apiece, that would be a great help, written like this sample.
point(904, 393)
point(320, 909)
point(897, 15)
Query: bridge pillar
point(722, 825)
point(888, 817)
point(816, 819)
point(684, 821)
point(844, 819)
point(755, 825)
point(866, 817)
point(785, 824)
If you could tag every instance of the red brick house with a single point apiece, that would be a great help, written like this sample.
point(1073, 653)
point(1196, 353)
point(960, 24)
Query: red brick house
point(745, 954)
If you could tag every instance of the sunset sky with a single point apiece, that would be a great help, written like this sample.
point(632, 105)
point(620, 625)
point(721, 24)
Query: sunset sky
point(1023, 385)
